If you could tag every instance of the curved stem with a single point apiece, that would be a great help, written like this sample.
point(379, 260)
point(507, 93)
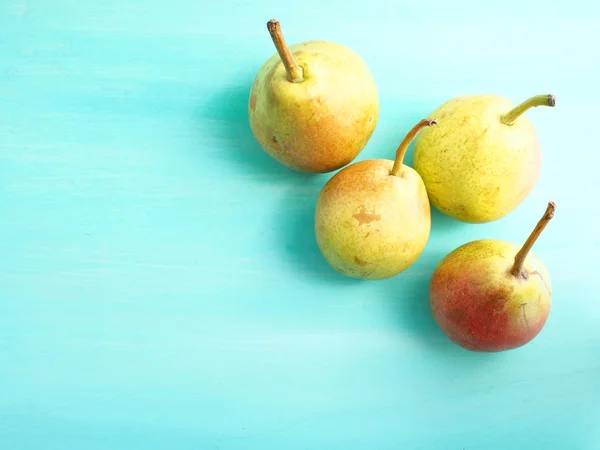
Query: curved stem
point(538, 100)
point(522, 254)
point(294, 71)
point(397, 168)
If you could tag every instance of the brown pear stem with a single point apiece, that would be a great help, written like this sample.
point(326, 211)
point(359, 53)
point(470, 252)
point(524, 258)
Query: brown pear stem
point(522, 254)
point(538, 100)
point(397, 168)
point(294, 71)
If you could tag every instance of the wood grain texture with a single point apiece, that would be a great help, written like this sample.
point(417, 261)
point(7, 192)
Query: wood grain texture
point(160, 286)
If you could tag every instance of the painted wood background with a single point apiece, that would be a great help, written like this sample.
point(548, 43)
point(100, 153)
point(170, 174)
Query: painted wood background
point(160, 286)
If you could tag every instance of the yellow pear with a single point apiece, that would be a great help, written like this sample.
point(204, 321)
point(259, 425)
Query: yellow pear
point(483, 159)
point(314, 105)
point(372, 218)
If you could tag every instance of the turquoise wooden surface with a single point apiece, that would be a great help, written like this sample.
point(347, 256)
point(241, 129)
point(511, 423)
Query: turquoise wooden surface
point(160, 287)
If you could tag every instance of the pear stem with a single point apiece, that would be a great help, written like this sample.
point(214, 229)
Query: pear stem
point(522, 254)
point(538, 100)
point(397, 168)
point(294, 71)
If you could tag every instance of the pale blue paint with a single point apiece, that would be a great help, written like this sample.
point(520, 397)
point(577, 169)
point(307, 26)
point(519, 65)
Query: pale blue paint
point(160, 286)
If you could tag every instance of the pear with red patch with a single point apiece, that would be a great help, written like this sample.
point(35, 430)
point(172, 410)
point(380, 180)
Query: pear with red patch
point(489, 295)
point(314, 105)
point(373, 218)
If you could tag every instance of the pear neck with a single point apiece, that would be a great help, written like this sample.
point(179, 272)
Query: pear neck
point(295, 73)
point(538, 100)
point(403, 147)
point(517, 268)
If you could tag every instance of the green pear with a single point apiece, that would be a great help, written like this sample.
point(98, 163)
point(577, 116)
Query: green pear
point(373, 217)
point(489, 295)
point(483, 159)
point(314, 105)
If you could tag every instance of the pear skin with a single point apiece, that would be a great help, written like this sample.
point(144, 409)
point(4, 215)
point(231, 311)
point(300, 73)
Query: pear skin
point(490, 296)
point(372, 218)
point(483, 159)
point(313, 106)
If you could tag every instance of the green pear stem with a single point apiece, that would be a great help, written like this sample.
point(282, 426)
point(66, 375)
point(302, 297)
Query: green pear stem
point(537, 100)
point(522, 254)
point(397, 167)
point(294, 71)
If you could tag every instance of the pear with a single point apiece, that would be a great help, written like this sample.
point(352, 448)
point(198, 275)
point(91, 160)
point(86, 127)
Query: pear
point(483, 159)
point(490, 296)
point(314, 105)
point(373, 218)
